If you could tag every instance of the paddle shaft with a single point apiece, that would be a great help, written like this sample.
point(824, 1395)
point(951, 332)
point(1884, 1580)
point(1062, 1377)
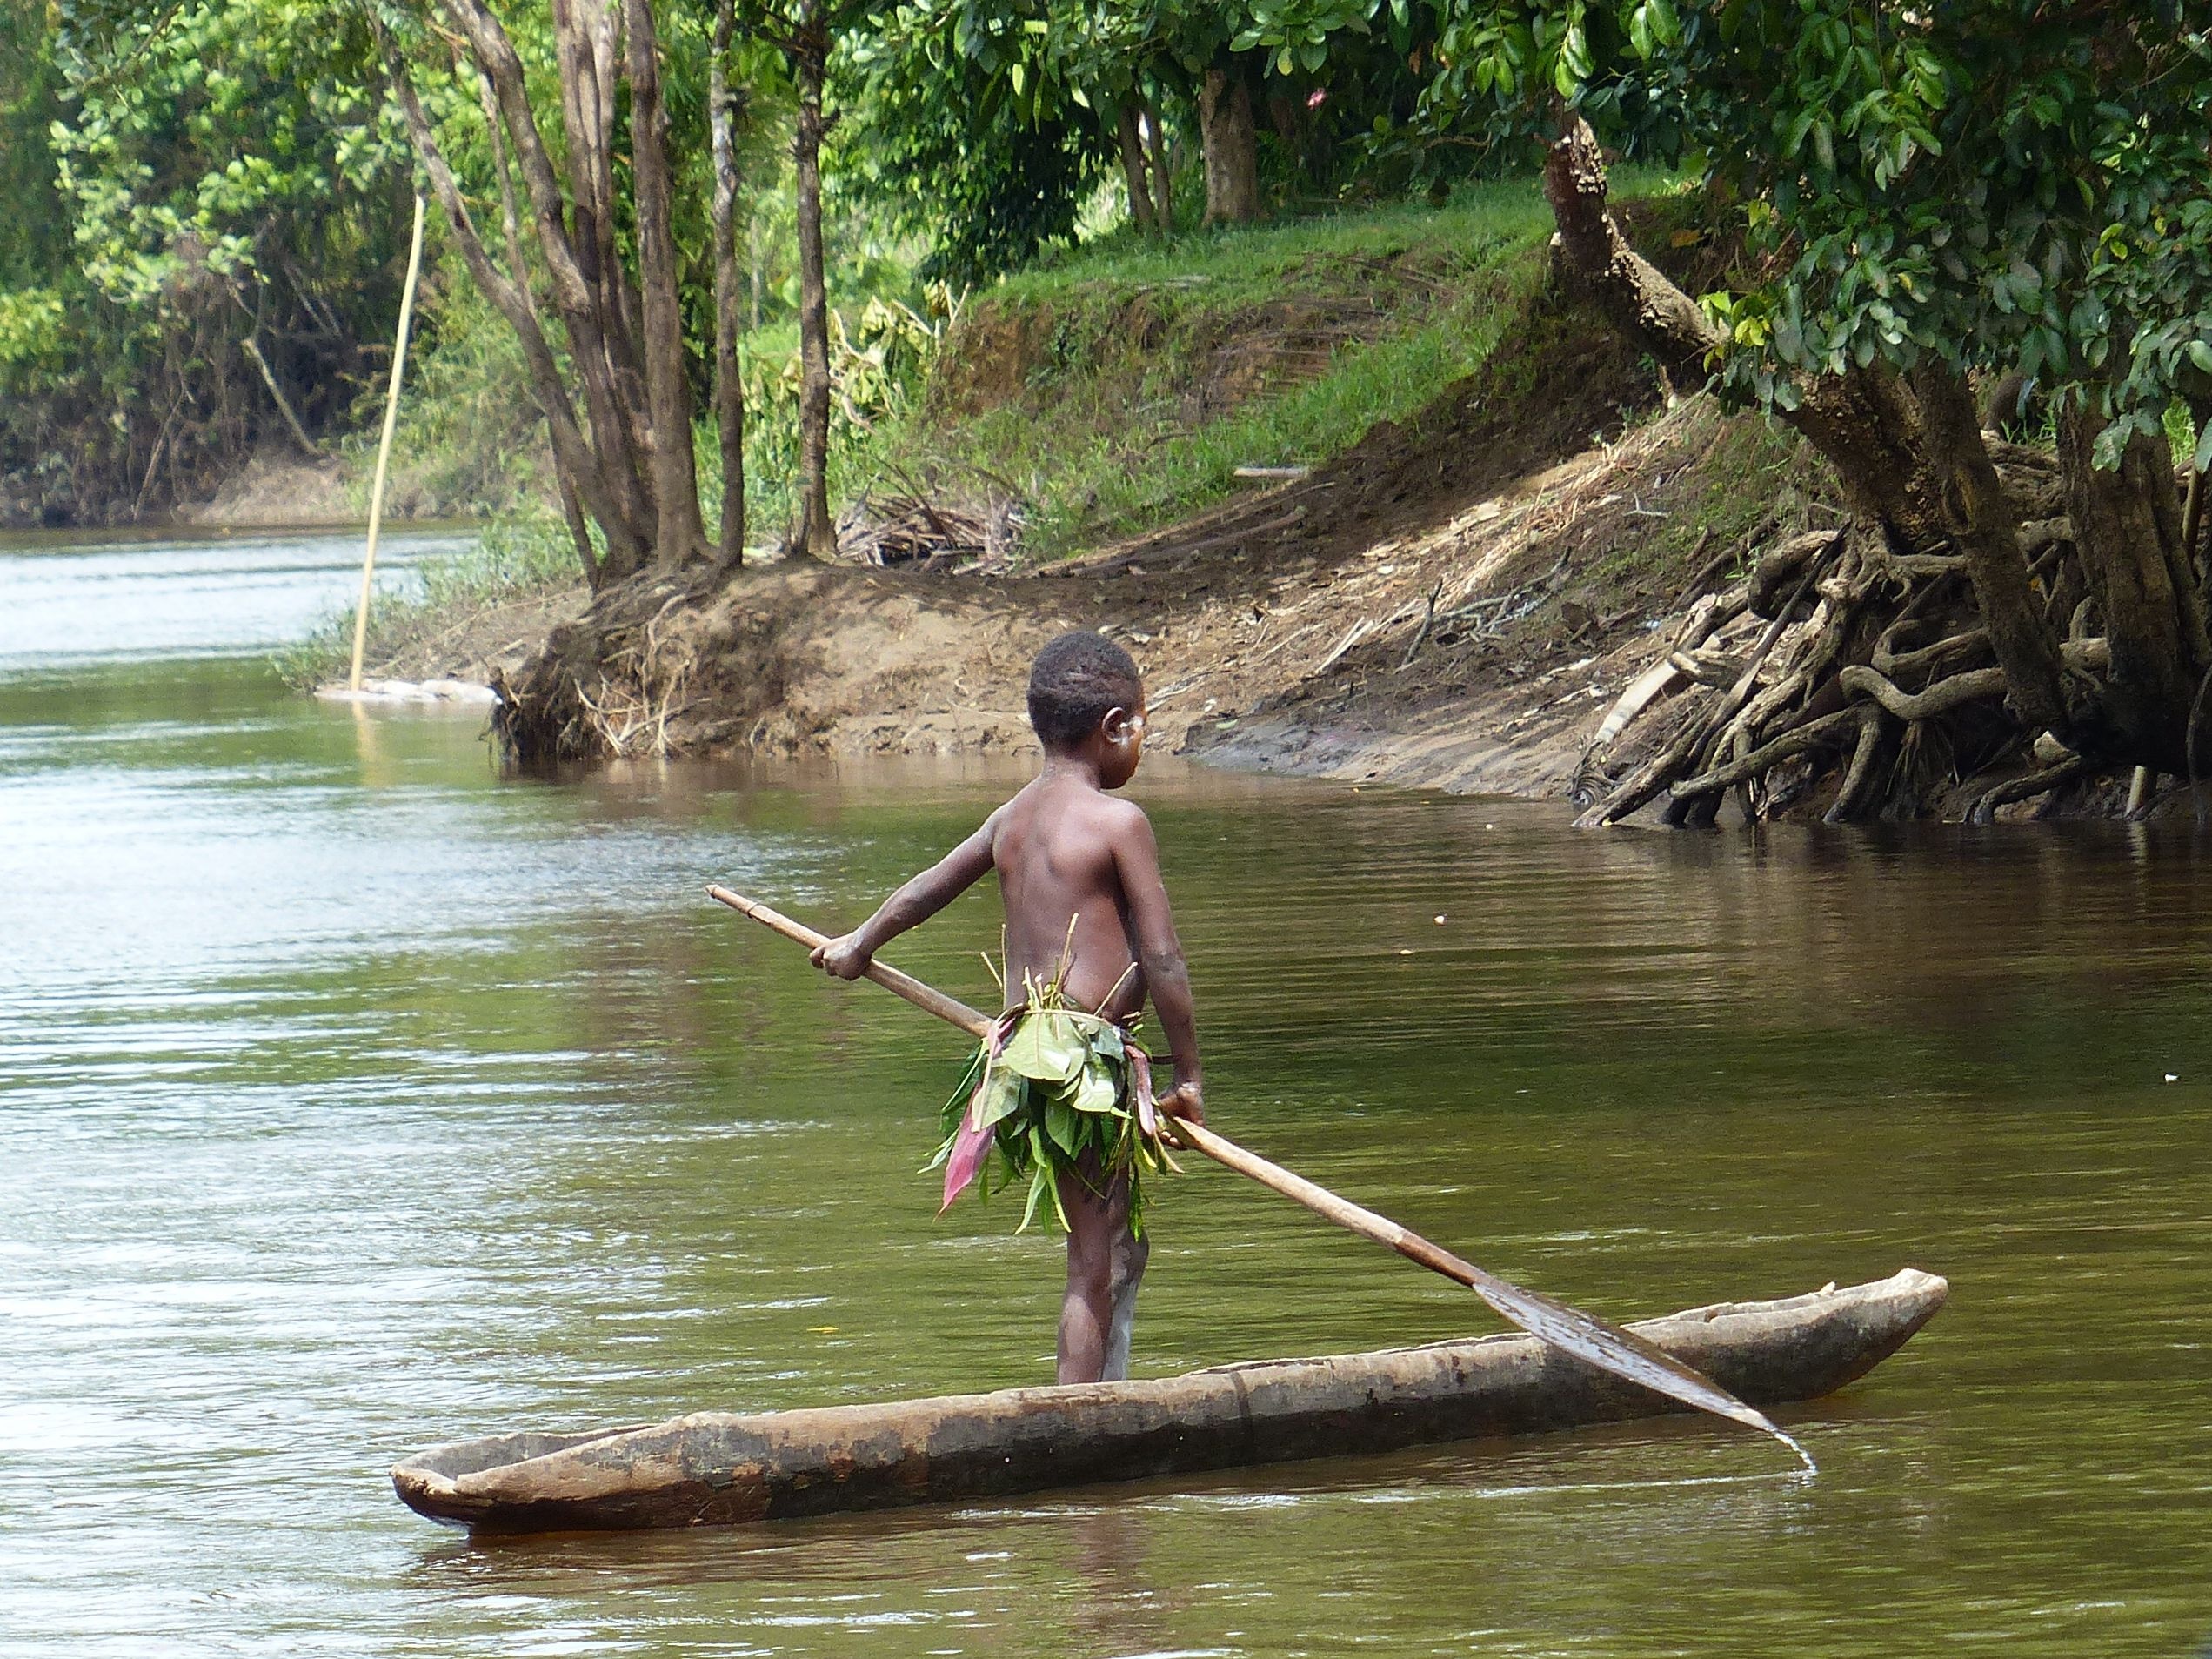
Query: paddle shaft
point(1582, 1335)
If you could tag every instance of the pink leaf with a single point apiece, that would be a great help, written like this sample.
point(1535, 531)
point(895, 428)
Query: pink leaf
point(1141, 1087)
point(972, 1144)
point(970, 1147)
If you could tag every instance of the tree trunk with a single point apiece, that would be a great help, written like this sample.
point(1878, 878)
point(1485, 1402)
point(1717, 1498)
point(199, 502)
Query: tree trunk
point(1162, 180)
point(1132, 168)
point(588, 292)
point(574, 456)
point(816, 535)
point(2127, 526)
point(1231, 143)
point(680, 538)
point(627, 461)
point(1984, 529)
point(729, 388)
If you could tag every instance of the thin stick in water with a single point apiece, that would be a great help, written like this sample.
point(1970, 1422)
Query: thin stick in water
point(384, 444)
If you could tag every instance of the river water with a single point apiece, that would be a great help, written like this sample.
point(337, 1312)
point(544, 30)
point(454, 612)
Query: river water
point(354, 1097)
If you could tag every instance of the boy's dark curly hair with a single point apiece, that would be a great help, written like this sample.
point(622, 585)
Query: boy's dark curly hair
point(1076, 678)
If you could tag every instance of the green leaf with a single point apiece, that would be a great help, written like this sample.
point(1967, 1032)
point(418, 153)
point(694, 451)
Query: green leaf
point(1039, 1178)
point(2201, 354)
point(1061, 1128)
point(1001, 1097)
point(1047, 1047)
point(1096, 1090)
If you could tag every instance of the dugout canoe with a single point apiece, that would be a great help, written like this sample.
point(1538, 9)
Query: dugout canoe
point(723, 1468)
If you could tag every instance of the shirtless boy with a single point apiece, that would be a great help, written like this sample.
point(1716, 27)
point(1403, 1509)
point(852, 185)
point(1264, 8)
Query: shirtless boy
point(1079, 872)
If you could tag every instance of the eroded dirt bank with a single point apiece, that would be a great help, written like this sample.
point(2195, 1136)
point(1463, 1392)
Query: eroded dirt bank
point(1513, 593)
point(1452, 602)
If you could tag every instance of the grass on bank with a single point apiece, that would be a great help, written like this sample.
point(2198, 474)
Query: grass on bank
point(1128, 415)
point(521, 555)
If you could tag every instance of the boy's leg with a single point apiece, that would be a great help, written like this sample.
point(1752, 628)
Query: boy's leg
point(1086, 1314)
point(1131, 1252)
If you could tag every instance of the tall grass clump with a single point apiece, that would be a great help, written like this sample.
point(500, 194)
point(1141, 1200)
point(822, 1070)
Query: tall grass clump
point(521, 555)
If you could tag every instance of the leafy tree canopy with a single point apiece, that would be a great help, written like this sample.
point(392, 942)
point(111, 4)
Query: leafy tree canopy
point(1992, 183)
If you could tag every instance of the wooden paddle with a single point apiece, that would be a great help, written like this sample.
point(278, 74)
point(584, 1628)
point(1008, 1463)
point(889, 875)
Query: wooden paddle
point(1570, 1329)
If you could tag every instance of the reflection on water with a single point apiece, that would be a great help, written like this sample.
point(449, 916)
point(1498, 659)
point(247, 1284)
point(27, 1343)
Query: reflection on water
point(352, 1098)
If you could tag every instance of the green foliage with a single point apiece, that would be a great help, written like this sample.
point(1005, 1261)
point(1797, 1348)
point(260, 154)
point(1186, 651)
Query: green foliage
point(969, 133)
point(876, 371)
point(32, 251)
point(1993, 185)
point(988, 122)
point(1132, 417)
point(209, 174)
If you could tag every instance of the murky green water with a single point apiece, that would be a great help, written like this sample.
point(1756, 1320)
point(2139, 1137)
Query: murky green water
point(353, 1098)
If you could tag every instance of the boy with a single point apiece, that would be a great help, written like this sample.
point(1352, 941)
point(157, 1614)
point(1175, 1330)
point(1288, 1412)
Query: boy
point(1088, 920)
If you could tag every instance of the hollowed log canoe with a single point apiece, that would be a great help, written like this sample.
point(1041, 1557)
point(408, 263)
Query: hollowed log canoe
point(725, 1468)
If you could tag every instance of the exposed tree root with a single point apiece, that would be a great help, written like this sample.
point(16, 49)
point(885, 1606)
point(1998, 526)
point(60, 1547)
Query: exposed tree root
point(1889, 668)
point(2018, 789)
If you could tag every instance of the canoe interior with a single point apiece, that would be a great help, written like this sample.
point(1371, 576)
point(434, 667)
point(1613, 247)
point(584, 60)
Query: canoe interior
point(725, 1468)
point(500, 1451)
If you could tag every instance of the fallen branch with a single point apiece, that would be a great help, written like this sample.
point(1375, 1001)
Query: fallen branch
point(1428, 621)
point(1357, 631)
point(1653, 683)
point(1796, 740)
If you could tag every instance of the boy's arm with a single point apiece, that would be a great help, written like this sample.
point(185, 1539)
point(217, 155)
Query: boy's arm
point(913, 903)
point(1159, 953)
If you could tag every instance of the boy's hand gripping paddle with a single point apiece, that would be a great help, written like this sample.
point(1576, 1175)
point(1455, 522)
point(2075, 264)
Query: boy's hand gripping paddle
point(1570, 1329)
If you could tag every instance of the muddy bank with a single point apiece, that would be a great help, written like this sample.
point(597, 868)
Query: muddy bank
point(1450, 603)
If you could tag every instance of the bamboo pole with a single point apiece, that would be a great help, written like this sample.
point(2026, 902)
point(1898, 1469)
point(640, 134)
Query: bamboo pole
point(384, 443)
point(1584, 1336)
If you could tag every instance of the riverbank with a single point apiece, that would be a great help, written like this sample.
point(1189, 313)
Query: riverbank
point(1458, 599)
point(1531, 580)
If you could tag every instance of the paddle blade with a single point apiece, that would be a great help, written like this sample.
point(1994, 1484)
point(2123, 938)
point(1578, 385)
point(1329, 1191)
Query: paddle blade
point(1622, 1353)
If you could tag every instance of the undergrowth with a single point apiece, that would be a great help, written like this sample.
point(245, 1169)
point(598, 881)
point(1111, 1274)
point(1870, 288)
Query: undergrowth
point(1148, 372)
point(521, 555)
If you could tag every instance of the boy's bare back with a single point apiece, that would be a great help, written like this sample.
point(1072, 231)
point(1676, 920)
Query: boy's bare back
point(1067, 852)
